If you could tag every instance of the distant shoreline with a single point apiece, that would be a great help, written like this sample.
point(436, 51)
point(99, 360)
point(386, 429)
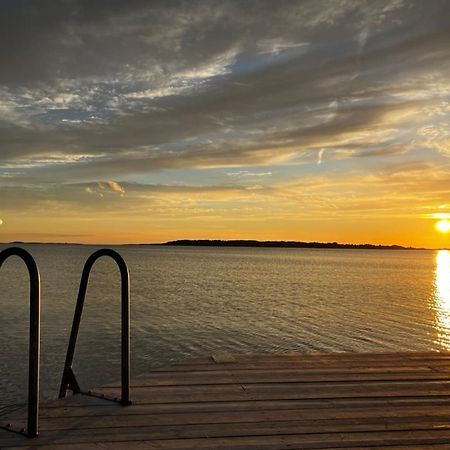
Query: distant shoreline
point(284, 244)
point(241, 243)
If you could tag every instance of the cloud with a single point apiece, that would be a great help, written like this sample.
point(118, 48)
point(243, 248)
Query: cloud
point(105, 188)
point(246, 174)
point(277, 46)
point(116, 187)
point(109, 197)
point(401, 189)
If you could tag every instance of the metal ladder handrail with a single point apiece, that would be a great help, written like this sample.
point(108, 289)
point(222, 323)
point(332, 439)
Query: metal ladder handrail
point(34, 338)
point(69, 381)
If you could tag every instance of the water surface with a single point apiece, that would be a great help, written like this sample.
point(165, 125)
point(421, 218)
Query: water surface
point(191, 301)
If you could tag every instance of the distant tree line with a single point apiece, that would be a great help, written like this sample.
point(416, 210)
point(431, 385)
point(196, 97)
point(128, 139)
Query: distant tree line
point(282, 244)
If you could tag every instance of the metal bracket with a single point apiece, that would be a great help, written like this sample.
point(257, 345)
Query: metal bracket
point(69, 381)
point(14, 428)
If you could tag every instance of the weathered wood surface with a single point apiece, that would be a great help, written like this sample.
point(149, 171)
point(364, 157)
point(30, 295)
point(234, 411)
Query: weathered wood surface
point(290, 401)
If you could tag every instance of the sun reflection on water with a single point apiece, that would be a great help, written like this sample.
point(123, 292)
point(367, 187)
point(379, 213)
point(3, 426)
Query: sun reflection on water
point(442, 296)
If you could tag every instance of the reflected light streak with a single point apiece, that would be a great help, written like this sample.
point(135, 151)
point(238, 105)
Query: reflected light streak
point(442, 296)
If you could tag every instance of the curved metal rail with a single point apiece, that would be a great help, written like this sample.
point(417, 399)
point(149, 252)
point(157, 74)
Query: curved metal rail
point(34, 342)
point(69, 381)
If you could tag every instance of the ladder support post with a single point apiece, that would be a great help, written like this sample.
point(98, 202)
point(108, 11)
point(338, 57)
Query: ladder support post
point(68, 379)
point(34, 336)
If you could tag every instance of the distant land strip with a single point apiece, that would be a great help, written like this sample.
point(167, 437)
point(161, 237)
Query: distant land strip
point(237, 243)
point(283, 244)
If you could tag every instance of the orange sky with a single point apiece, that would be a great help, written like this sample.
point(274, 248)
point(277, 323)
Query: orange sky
point(120, 229)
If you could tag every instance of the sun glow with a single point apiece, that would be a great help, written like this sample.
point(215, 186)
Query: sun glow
point(443, 226)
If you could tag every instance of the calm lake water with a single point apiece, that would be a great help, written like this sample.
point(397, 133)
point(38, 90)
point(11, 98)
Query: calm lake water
point(196, 301)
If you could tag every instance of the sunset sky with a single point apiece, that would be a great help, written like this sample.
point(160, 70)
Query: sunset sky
point(144, 121)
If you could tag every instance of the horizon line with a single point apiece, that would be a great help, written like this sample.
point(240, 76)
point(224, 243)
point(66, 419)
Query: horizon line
point(198, 243)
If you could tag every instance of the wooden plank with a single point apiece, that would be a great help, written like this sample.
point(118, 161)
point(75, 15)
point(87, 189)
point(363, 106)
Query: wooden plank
point(282, 375)
point(195, 418)
point(81, 404)
point(142, 430)
point(321, 357)
point(230, 392)
point(306, 365)
point(235, 446)
point(167, 371)
point(102, 407)
point(262, 358)
point(233, 437)
point(431, 384)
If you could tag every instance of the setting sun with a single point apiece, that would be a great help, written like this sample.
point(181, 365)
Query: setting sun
point(443, 226)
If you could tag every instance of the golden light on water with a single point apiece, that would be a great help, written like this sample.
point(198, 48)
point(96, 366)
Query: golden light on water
point(443, 226)
point(442, 296)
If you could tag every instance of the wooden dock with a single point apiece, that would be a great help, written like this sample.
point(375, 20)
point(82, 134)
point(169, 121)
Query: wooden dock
point(290, 401)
